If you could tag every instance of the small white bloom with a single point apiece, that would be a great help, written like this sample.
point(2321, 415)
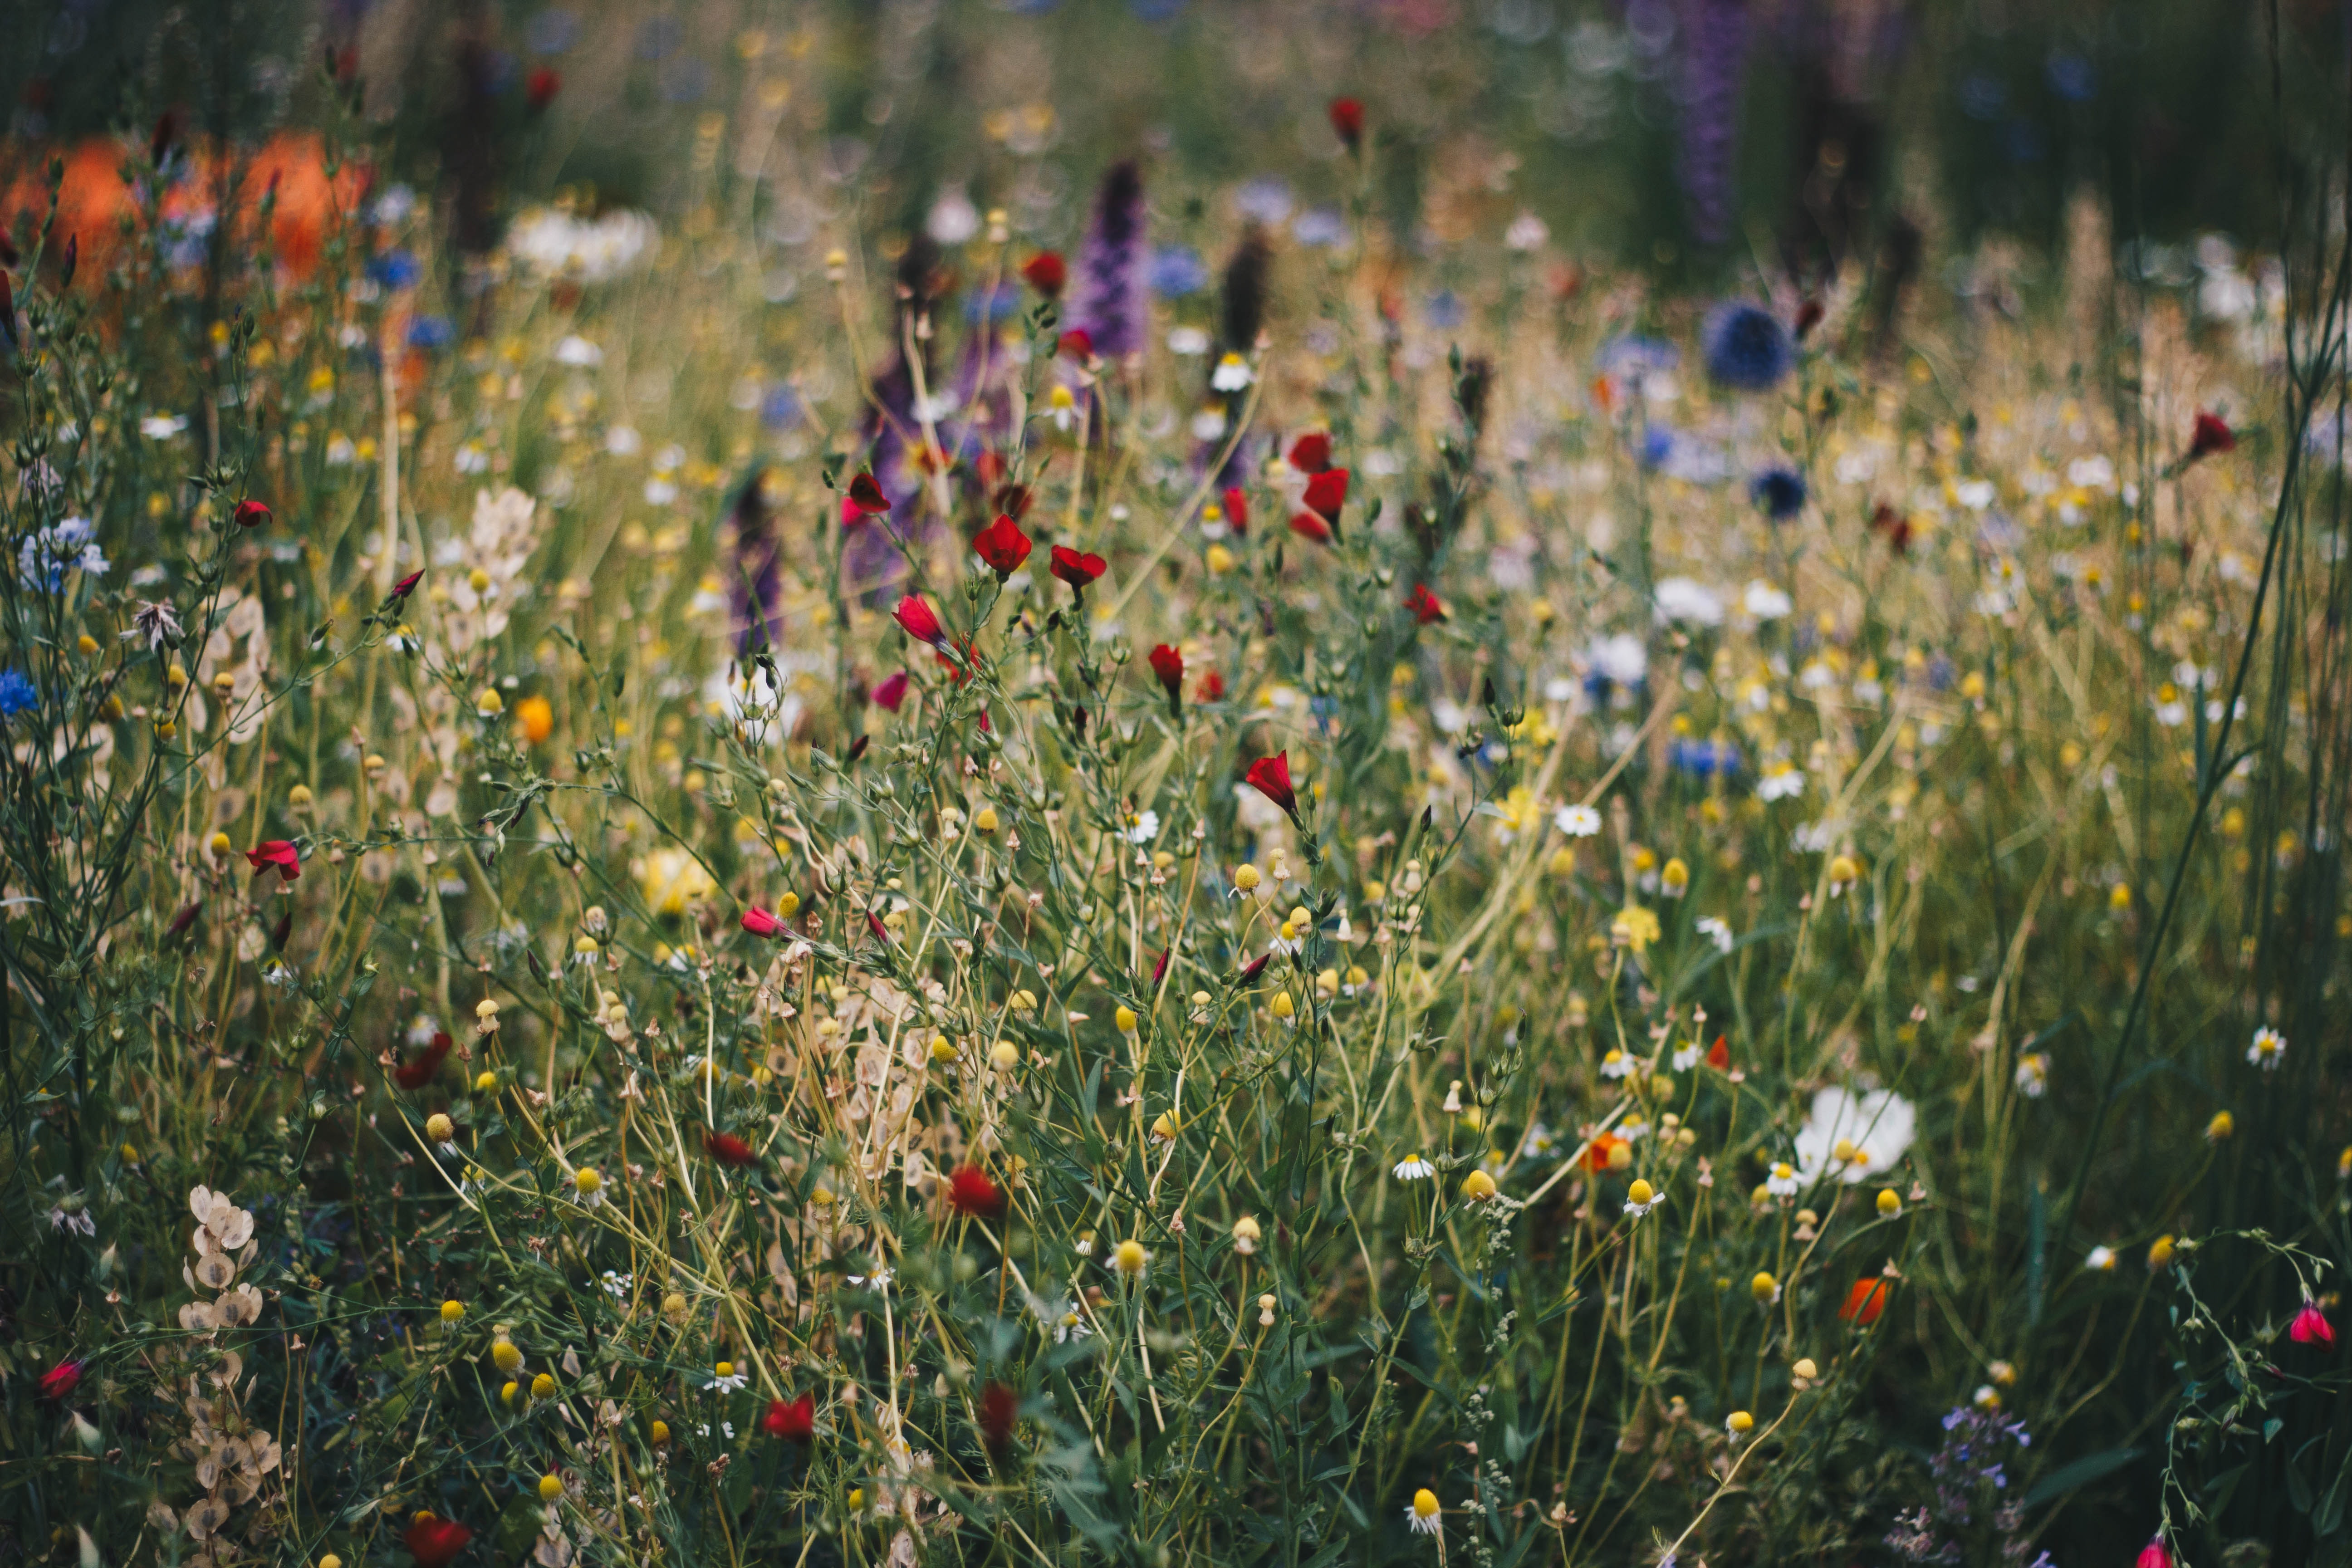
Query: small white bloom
point(727, 1380)
point(879, 1279)
point(1685, 1057)
point(162, 426)
point(1576, 821)
point(1781, 783)
point(2101, 1258)
point(1527, 232)
point(1423, 1513)
point(578, 352)
point(2033, 1074)
point(1143, 827)
point(1782, 1182)
point(1765, 602)
point(1617, 1064)
point(1233, 373)
point(1635, 1211)
point(2268, 1047)
point(1716, 931)
point(1187, 341)
point(617, 1285)
point(1413, 1168)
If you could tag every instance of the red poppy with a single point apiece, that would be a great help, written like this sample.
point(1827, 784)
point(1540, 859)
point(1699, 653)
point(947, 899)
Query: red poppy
point(251, 514)
point(1865, 1301)
point(1078, 344)
point(1270, 776)
point(892, 691)
point(972, 1194)
point(1718, 1055)
point(793, 1420)
point(407, 585)
point(62, 1378)
point(277, 853)
point(1307, 525)
point(2212, 433)
point(1045, 272)
point(999, 1408)
point(1424, 604)
point(1311, 453)
point(1212, 689)
point(1327, 492)
point(1003, 546)
point(1169, 666)
point(2311, 1326)
point(1348, 121)
point(540, 86)
point(1076, 570)
point(436, 1542)
point(728, 1149)
point(1886, 519)
point(418, 1070)
point(760, 922)
point(919, 620)
point(1237, 509)
point(867, 496)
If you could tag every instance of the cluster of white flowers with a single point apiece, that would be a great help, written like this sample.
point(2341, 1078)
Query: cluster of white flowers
point(585, 250)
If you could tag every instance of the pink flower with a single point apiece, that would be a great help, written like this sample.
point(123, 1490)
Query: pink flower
point(2155, 1554)
point(892, 692)
point(278, 854)
point(2311, 1326)
point(919, 620)
point(760, 922)
point(61, 1379)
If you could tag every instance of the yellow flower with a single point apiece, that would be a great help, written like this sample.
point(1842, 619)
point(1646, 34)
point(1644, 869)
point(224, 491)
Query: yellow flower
point(439, 1127)
point(2159, 1252)
point(1478, 1186)
point(1635, 928)
point(1129, 1257)
point(537, 718)
point(505, 1357)
point(2220, 1127)
point(1740, 1424)
point(451, 1311)
point(551, 1486)
point(543, 1386)
point(1765, 1288)
point(1890, 1203)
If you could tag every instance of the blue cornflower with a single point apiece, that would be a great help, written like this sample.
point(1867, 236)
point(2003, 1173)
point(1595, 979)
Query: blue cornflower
point(45, 558)
point(1177, 270)
point(1745, 347)
point(780, 407)
point(396, 270)
point(1779, 491)
point(431, 333)
point(1446, 309)
point(16, 693)
point(1657, 445)
point(1266, 198)
point(1704, 759)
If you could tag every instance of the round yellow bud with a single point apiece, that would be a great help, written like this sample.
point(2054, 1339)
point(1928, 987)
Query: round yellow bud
point(331, 1561)
point(1478, 1186)
point(299, 796)
point(1004, 1056)
point(1764, 1288)
point(985, 819)
point(725, 1369)
point(2223, 1125)
point(220, 844)
point(674, 1304)
point(543, 1386)
point(452, 1311)
point(505, 1357)
point(485, 1082)
point(439, 1127)
point(588, 1181)
point(2120, 897)
point(857, 1499)
point(486, 1009)
point(1282, 1006)
point(1621, 1156)
point(1246, 1234)
point(1246, 878)
point(1741, 1423)
point(507, 1395)
point(659, 1432)
point(1806, 1369)
point(1640, 1192)
point(2159, 1252)
point(551, 1486)
point(87, 643)
point(177, 676)
point(1266, 1303)
point(943, 1049)
point(1124, 1018)
point(1843, 869)
point(1890, 1203)
point(1129, 1257)
point(1165, 1126)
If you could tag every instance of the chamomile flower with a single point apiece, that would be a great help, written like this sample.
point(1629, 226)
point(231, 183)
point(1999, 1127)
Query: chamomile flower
point(726, 1379)
point(1617, 1064)
point(2100, 1259)
point(1422, 1512)
point(2033, 1074)
point(1576, 821)
point(1641, 1198)
point(879, 1279)
point(1686, 1056)
point(2268, 1047)
point(1716, 931)
point(1233, 373)
point(1143, 827)
point(1783, 1181)
point(618, 1285)
point(1413, 1168)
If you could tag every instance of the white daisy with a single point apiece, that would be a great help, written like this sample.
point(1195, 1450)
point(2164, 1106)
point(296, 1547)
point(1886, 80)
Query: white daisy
point(1716, 931)
point(726, 1379)
point(1422, 1513)
point(2101, 1259)
point(2268, 1047)
point(1143, 827)
point(2033, 1074)
point(1616, 1064)
point(1685, 1057)
point(879, 1279)
point(1413, 1168)
point(1233, 373)
point(1641, 1198)
point(1576, 821)
point(1783, 1181)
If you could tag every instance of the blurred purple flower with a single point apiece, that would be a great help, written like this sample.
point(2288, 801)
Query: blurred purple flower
point(1110, 304)
point(1715, 59)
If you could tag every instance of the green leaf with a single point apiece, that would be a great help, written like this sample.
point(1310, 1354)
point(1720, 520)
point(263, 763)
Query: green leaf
point(2080, 1474)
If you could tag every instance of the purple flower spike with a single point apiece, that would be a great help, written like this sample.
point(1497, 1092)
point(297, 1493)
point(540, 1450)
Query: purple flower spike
point(1111, 301)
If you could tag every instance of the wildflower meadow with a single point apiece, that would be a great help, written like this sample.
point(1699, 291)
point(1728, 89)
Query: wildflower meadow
point(1155, 785)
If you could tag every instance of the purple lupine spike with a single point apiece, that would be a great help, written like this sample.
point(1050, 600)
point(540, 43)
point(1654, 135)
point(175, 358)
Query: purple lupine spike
point(1715, 60)
point(1111, 301)
point(755, 559)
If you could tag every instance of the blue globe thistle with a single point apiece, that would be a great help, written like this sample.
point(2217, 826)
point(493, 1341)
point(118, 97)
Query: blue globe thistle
point(431, 333)
point(18, 694)
point(1779, 491)
point(1745, 348)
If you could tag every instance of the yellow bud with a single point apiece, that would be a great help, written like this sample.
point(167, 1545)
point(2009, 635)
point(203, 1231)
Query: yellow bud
point(2220, 1127)
point(451, 1311)
point(1763, 1288)
point(725, 1369)
point(1640, 1192)
point(543, 1386)
point(2159, 1252)
point(787, 906)
point(1806, 1369)
point(87, 643)
point(439, 1127)
point(659, 1432)
point(505, 1357)
point(2120, 897)
point(220, 844)
point(1282, 1006)
point(1246, 878)
point(857, 1499)
point(1005, 1056)
point(331, 1561)
point(1843, 1151)
point(485, 1082)
point(551, 1486)
point(1621, 1156)
point(1741, 1423)
point(1129, 1257)
point(507, 1395)
point(985, 819)
point(177, 676)
point(588, 1181)
point(299, 796)
point(489, 702)
point(1165, 1126)
point(1124, 1018)
point(1890, 1203)
point(1478, 1186)
point(943, 1049)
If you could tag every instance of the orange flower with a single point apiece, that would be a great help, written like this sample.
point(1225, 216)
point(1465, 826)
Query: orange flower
point(1864, 1302)
point(1596, 1158)
point(537, 718)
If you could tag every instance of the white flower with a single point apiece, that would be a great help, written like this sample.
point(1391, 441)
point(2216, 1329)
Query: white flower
point(1422, 1513)
point(1878, 1126)
point(1576, 821)
point(1413, 1168)
point(1187, 341)
point(623, 441)
point(1538, 1142)
point(617, 1285)
point(726, 1379)
point(1527, 232)
point(2100, 1259)
point(1974, 494)
point(1144, 827)
point(1782, 1182)
point(1765, 602)
point(1781, 783)
point(879, 1279)
point(1635, 1211)
point(578, 352)
point(1682, 599)
point(555, 243)
point(1233, 373)
point(422, 1029)
point(162, 426)
point(1716, 931)
point(1617, 1064)
point(1685, 1057)
point(1621, 659)
point(2033, 1074)
point(78, 1220)
point(953, 220)
point(2268, 1047)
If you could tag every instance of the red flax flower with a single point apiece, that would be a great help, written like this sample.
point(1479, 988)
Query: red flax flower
point(2311, 1326)
point(1270, 776)
point(2155, 1554)
point(728, 1149)
point(2212, 433)
point(892, 691)
point(1348, 121)
point(436, 1542)
point(61, 1379)
point(1077, 570)
point(407, 585)
point(1886, 519)
point(970, 1193)
point(540, 86)
point(252, 514)
point(1045, 272)
point(1311, 453)
point(1237, 509)
point(276, 853)
point(418, 1070)
point(999, 1408)
point(866, 497)
point(1865, 1301)
point(1078, 344)
point(760, 922)
point(1212, 689)
point(1169, 666)
point(793, 1420)
point(1253, 969)
point(919, 620)
point(1425, 606)
point(1003, 546)
point(1327, 492)
point(1603, 1148)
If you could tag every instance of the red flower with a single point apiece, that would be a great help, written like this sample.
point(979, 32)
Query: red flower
point(874, 924)
point(62, 1378)
point(1270, 776)
point(1013, 500)
point(1003, 546)
point(1327, 492)
point(278, 853)
point(793, 1420)
point(2311, 1326)
point(892, 691)
point(728, 1149)
point(418, 1070)
point(2155, 1554)
point(867, 496)
point(1424, 604)
point(251, 514)
point(760, 922)
point(1347, 120)
point(1808, 316)
point(1237, 507)
point(1169, 666)
point(999, 1408)
point(407, 585)
point(1212, 689)
point(919, 620)
point(540, 86)
point(1865, 1301)
point(1886, 519)
point(1076, 570)
point(436, 1542)
point(1307, 525)
point(1078, 344)
point(1603, 1147)
point(1045, 272)
point(1718, 1055)
point(2212, 433)
point(972, 1194)
point(1311, 453)
point(1254, 968)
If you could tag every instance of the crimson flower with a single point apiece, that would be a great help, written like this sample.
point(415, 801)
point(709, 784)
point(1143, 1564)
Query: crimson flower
point(2311, 1326)
point(1169, 666)
point(2155, 1554)
point(1237, 509)
point(186, 918)
point(972, 1192)
point(251, 514)
point(1865, 1301)
point(1270, 776)
point(1076, 570)
point(1307, 525)
point(1013, 500)
point(1003, 546)
point(1886, 519)
point(1212, 689)
point(2212, 433)
point(1159, 968)
point(874, 924)
point(892, 691)
point(1347, 120)
point(62, 1378)
point(407, 585)
point(540, 86)
point(278, 853)
point(919, 620)
point(436, 1542)
point(1424, 604)
point(1718, 1055)
point(1311, 453)
point(1327, 492)
point(418, 1070)
point(999, 1408)
point(1808, 316)
point(1078, 344)
point(1045, 272)
point(760, 922)
point(1255, 967)
point(793, 1420)
point(867, 496)
point(728, 1149)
